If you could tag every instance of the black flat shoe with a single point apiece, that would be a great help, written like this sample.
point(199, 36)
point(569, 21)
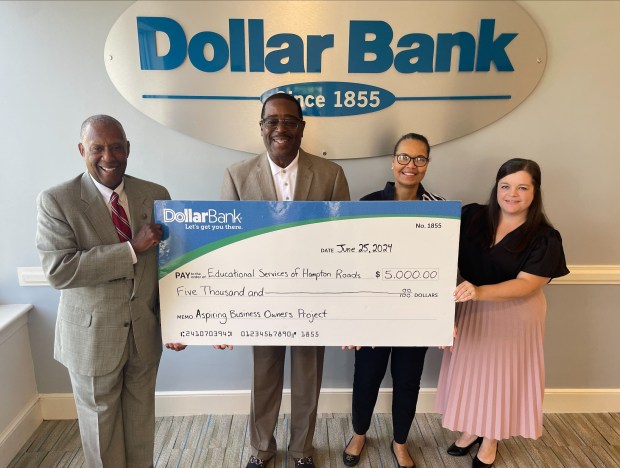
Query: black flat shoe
point(457, 451)
point(351, 460)
point(396, 459)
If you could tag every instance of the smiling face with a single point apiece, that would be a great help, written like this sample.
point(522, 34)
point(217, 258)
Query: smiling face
point(105, 150)
point(282, 142)
point(515, 194)
point(409, 176)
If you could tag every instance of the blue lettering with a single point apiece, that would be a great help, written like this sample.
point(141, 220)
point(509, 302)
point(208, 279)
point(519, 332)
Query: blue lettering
point(370, 49)
point(237, 45)
point(379, 46)
point(375, 37)
point(196, 51)
point(445, 45)
point(256, 34)
point(316, 46)
point(286, 60)
point(423, 54)
point(490, 50)
point(149, 60)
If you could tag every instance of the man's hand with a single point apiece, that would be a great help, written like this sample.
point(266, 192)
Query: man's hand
point(176, 346)
point(148, 236)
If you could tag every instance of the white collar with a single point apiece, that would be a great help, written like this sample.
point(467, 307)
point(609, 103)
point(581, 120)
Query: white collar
point(106, 192)
point(275, 169)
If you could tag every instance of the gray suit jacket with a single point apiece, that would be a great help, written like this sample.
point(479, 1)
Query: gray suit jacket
point(318, 179)
point(102, 291)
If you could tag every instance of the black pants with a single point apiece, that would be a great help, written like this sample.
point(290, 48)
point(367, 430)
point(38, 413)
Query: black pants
point(406, 368)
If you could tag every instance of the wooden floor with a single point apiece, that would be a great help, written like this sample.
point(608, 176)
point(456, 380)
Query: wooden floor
point(569, 440)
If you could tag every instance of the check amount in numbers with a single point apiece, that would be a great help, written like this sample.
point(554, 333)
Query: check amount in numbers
point(408, 274)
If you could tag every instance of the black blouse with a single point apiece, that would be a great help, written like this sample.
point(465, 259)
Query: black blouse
point(389, 191)
point(543, 256)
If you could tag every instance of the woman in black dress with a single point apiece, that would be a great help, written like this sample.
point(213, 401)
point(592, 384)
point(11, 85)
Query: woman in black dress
point(491, 385)
point(409, 163)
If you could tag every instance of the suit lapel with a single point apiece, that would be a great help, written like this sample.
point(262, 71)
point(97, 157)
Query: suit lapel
point(139, 209)
point(140, 213)
point(264, 179)
point(304, 177)
point(97, 212)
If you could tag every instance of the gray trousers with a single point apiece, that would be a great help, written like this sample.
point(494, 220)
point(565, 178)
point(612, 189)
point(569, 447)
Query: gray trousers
point(116, 413)
point(267, 384)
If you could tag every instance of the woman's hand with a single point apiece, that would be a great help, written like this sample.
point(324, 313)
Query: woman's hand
point(356, 348)
point(523, 285)
point(466, 292)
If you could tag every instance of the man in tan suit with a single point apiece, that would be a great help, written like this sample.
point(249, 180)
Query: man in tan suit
point(107, 331)
point(284, 172)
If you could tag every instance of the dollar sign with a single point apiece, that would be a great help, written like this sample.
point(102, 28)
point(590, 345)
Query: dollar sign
point(378, 274)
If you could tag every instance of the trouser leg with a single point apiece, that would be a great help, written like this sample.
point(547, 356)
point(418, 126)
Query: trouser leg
point(267, 382)
point(306, 377)
point(370, 367)
point(138, 402)
point(98, 403)
point(406, 368)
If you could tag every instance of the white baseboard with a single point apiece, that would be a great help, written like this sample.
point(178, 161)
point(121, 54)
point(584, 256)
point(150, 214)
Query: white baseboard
point(62, 406)
point(591, 400)
point(19, 430)
point(57, 406)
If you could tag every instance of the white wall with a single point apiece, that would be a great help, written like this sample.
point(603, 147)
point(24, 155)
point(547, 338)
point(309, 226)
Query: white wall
point(53, 76)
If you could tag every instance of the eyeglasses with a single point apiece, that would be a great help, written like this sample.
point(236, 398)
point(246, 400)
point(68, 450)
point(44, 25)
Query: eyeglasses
point(418, 161)
point(288, 123)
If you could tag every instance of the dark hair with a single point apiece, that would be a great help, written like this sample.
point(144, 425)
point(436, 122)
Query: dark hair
point(286, 96)
point(535, 214)
point(413, 136)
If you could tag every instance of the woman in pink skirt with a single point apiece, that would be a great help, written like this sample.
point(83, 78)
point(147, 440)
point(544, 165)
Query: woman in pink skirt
point(491, 383)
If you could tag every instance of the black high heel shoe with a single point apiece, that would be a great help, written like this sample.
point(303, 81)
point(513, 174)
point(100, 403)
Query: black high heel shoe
point(477, 463)
point(396, 459)
point(351, 460)
point(457, 451)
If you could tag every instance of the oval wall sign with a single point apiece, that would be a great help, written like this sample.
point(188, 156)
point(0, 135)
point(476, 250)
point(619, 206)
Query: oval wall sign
point(364, 72)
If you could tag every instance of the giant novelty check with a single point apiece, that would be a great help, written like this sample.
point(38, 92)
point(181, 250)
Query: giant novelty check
point(308, 273)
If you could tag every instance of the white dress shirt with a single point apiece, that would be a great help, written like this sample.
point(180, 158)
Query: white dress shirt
point(284, 178)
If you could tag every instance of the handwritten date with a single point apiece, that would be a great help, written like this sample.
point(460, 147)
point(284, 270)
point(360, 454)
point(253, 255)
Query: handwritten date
point(358, 248)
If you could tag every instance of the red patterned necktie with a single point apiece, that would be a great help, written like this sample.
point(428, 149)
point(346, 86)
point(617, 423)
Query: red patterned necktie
point(119, 218)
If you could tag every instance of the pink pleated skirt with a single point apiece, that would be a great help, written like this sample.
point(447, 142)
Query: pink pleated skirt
point(492, 383)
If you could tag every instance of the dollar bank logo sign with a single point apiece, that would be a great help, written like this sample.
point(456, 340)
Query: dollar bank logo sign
point(363, 72)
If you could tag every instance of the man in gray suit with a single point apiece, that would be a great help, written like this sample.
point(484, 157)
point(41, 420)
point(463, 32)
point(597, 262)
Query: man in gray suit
point(284, 172)
point(107, 331)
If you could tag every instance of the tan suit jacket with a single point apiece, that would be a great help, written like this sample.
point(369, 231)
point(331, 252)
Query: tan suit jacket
point(318, 179)
point(102, 291)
